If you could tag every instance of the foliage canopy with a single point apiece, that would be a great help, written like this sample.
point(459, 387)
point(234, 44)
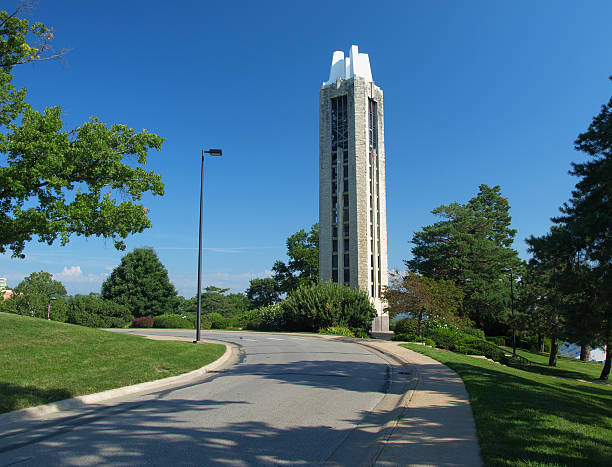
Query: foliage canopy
point(57, 182)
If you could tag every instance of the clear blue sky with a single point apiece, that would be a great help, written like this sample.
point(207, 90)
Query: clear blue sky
point(475, 92)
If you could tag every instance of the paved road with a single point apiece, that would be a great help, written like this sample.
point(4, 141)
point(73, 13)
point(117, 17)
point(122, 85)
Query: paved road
point(285, 400)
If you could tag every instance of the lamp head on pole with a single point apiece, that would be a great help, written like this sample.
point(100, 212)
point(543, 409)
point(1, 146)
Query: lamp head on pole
point(213, 152)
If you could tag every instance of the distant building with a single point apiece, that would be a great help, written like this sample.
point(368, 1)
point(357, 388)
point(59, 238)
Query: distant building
point(352, 197)
point(4, 292)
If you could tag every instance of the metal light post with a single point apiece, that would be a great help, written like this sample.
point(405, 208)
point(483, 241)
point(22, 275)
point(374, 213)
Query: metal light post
point(49, 308)
point(212, 152)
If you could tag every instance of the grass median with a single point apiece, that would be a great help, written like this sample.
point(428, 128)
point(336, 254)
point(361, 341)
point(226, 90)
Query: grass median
point(527, 418)
point(44, 361)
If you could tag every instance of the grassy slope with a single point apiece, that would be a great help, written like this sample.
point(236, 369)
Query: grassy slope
point(566, 367)
point(526, 418)
point(44, 361)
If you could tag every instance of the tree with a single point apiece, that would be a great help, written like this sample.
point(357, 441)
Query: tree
point(471, 246)
point(59, 182)
point(422, 297)
point(262, 292)
point(31, 297)
point(303, 265)
point(141, 283)
point(217, 300)
point(586, 223)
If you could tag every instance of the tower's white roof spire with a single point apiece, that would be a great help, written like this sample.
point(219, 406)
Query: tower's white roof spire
point(356, 64)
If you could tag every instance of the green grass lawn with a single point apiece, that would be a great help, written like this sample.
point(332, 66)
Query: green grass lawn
point(566, 367)
point(45, 361)
point(527, 418)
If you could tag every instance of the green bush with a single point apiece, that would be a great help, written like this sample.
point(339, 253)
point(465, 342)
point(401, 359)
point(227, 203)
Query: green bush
point(95, 312)
point(337, 331)
point(217, 321)
point(429, 342)
point(172, 321)
point(406, 337)
point(499, 340)
point(193, 317)
point(361, 334)
point(406, 326)
point(317, 306)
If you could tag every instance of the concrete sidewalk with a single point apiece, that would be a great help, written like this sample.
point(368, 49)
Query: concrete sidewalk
point(437, 426)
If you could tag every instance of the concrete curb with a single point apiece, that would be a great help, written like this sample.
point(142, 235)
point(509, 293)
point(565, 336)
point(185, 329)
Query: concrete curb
point(30, 413)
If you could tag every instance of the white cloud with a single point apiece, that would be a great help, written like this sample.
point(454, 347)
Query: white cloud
point(74, 274)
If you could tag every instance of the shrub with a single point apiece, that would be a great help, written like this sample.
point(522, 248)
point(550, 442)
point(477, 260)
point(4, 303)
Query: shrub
point(406, 326)
point(406, 337)
point(337, 331)
point(429, 342)
point(361, 334)
point(217, 321)
point(172, 321)
point(317, 306)
point(95, 312)
point(143, 322)
point(499, 340)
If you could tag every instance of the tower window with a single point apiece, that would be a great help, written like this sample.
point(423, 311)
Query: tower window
point(347, 276)
point(345, 185)
point(334, 261)
point(334, 245)
point(346, 261)
point(346, 244)
point(346, 230)
point(334, 231)
point(335, 275)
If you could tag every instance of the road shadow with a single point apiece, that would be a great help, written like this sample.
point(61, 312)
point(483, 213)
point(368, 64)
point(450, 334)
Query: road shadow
point(153, 433)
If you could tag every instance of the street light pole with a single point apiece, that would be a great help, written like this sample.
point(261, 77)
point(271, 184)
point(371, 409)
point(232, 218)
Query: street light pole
point(212, 152)
point(49, 307)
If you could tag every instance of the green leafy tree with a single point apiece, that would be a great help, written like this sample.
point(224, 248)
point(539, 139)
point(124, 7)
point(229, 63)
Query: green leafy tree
point(59, 182)
point(422, 297)
point(31, 297)
point(586, 226)
point(262, 292)
point(471, 246)
point(141, 283)
point(303, 265)
point(217, 300)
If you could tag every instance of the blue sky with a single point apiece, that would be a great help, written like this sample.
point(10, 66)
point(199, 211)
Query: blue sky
point(475, 92)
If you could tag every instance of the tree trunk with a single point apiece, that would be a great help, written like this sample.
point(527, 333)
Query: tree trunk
point(585, 353)
point(605, 372)
point(419, 320)
point(552, 360)
point(541, 343)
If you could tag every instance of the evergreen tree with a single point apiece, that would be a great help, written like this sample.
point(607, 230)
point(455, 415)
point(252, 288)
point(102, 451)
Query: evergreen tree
point(471, 246)
point(586, 224)
point(141, 283)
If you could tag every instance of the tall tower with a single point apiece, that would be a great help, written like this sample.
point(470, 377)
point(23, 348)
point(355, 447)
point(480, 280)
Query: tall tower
point(352, 209)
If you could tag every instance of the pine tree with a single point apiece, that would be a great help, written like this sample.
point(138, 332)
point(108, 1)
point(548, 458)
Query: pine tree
point(472, 247)
point(586, 222)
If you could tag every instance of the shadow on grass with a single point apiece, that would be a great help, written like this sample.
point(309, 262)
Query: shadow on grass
point(555, 371)
point(521, 420)
point(15, 397)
